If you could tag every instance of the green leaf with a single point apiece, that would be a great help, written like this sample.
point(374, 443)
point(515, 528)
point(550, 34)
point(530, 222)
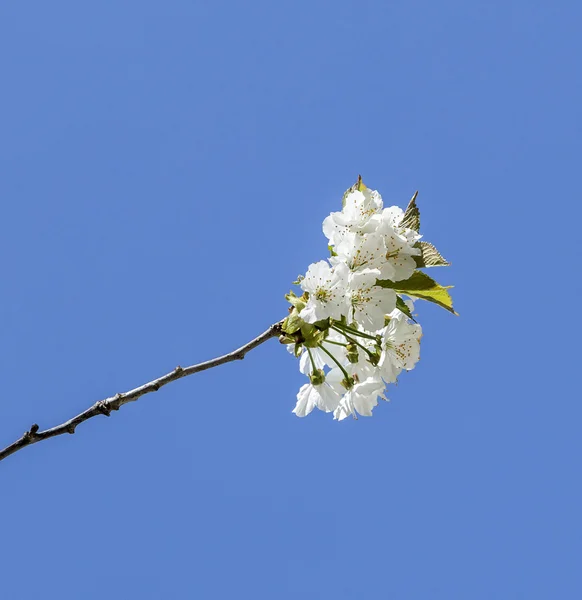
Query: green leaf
point(297, 302)
point(430, 256)
point(411, 218)
point(401, 306)
point(292, 323)
point(420, 285)
point(323, 324)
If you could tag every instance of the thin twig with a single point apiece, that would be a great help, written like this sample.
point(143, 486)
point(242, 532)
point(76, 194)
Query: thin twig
point(104, 407)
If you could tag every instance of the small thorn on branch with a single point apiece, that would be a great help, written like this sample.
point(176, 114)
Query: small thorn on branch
point(33, 429)
point(178, 370)
point(71, 429)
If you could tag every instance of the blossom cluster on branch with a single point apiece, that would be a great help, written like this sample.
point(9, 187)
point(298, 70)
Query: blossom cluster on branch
point(352, 329)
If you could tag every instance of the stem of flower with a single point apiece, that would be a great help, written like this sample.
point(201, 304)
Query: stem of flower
point(343, 328)
point(311, 359)
point(353, 341)
point(336, 361)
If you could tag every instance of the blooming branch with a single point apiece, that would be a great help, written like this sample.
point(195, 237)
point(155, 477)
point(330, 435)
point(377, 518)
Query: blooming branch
point(351, 318)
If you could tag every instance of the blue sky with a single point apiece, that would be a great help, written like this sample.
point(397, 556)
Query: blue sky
point(165, 168)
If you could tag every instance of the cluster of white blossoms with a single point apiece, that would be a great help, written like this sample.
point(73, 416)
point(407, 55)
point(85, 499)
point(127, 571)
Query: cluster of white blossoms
point(351, 330)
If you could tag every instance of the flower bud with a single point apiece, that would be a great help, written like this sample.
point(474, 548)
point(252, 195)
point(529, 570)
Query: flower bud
point(297, 303)
point(292, 323)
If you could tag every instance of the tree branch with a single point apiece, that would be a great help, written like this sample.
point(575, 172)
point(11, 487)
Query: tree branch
point(104, 407)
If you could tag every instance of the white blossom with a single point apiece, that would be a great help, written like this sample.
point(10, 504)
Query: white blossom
point(399, 241)
point(360, 399)
point(367, 342)
point(361, 251)
point(369, 303)
point(327, 290)
point(392, 217)
point(360, 214)
point(400, 346)
point(311, 396)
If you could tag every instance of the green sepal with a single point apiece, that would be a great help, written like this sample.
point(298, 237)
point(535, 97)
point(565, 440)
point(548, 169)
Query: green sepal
point(314, 340)
point(317, 377)
point(352, 353)
point(348, 384)
point(375, 355)
point(323, 324)
point(312, 336)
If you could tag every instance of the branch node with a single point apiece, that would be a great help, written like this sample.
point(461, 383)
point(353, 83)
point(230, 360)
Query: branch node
point(178, 370)
point(155, 387)
point(28, 436)
point(115, 402)
point(71, 429)
point(103, 407)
